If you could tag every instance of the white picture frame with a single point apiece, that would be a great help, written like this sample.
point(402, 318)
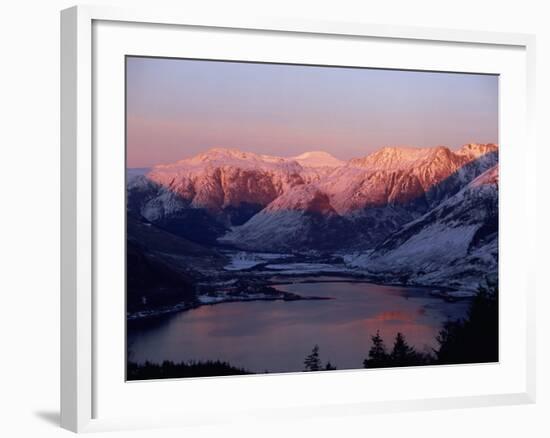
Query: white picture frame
point(84, 372)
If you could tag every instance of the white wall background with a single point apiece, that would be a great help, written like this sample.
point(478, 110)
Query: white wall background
point(29, 217)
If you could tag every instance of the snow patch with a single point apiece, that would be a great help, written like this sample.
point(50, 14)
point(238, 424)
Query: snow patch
point(306, 268)
point(246, 260)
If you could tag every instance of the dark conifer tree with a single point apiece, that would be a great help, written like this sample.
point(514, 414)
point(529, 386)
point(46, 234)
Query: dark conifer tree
point(312, 361)
point(403, 354)
point(378, 356)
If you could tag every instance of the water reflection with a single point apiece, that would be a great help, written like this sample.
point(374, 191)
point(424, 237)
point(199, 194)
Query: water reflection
point(276, 336)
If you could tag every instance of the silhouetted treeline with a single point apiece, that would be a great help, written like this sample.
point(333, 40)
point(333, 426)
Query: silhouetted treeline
point(473, 339)
point(171, 370)
point(312, 362)
point(401, 355)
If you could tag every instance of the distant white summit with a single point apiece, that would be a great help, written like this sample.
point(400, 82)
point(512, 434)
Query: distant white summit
point(318, 159)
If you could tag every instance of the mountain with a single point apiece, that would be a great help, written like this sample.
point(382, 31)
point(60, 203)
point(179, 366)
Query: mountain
point(300, 218)
point(152, 282)
point(454, 244)
point(227, 183)
point(200, 197)
point(162, 268)
point(364, 200)
point(311, 201)
point(226, 177)
point(420, 177)
point(318, 159)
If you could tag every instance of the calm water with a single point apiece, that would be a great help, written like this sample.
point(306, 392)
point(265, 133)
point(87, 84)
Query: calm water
point(277, 335)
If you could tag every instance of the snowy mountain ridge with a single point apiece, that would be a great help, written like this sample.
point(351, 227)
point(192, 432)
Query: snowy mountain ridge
point(406, 157)
point(275, 203)
point(455, 244)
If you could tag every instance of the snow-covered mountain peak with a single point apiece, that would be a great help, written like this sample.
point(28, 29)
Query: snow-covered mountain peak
point(396, 158)
point(318, 159)
point(225, 157)
point(228, 178)
point(404, 157)
point(476, 150)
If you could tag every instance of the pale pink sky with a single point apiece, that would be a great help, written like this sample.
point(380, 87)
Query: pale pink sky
point(178, 108)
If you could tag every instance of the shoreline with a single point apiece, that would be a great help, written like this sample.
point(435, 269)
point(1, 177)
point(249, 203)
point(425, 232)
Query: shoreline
point(440, 292)
point(183, 306)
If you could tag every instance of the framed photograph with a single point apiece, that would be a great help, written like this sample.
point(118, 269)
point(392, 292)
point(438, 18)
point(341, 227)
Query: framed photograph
point(253, 209)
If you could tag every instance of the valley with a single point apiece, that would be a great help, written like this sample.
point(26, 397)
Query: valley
point(407, 216)
point(300, 217)
point(229, 233)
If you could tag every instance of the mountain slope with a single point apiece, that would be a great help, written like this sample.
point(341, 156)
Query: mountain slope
point(299, 219)
point(455, 244)
point(162, 268)
point(152, 282)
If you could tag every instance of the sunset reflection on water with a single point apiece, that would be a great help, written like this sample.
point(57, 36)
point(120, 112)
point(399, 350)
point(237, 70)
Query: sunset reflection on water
point(277, 335)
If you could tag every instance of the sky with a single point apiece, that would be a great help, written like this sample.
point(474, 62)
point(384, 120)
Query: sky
point(177, 108)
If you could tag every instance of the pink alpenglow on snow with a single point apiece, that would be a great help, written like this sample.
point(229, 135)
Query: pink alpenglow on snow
point(280, 217)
